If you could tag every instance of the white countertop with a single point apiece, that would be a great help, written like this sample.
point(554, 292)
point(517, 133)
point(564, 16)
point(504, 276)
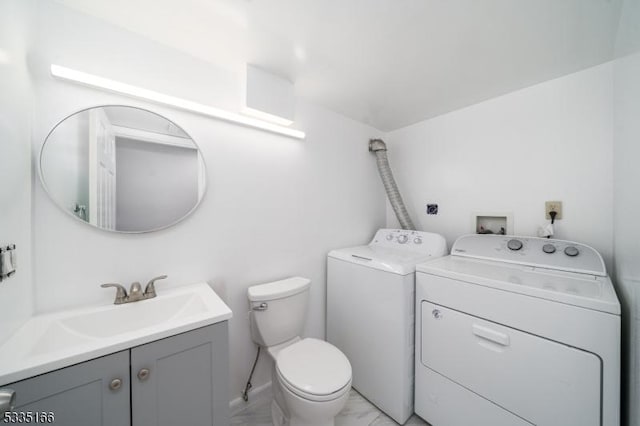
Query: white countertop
point(60, 339)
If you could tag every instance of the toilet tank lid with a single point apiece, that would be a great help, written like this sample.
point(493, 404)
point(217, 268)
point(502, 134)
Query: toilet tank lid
point(278, 289)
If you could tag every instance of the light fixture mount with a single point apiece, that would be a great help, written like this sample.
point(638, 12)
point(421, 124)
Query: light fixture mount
point(114, 86)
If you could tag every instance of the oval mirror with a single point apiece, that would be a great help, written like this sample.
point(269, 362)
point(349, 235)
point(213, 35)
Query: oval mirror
point(122, 169)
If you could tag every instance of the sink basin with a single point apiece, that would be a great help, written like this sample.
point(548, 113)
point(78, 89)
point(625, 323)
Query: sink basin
point(120, 319)
point(109, 321)
point(51, 341)
point(55, 338)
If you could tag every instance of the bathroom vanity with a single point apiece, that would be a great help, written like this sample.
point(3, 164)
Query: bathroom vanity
point(167, 372)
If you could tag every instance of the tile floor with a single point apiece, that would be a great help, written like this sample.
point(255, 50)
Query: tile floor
point(358, 412)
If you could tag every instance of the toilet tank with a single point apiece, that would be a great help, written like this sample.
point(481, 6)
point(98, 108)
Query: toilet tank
point(278, 310)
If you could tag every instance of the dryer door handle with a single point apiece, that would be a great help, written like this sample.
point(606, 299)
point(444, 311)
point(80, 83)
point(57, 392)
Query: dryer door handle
point(492, 335)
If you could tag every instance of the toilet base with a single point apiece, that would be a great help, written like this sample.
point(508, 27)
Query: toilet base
point(288, 409)
point(280, 419)
point(277, 415)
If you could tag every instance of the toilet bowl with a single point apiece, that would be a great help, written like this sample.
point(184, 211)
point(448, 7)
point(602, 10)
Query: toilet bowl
point(311, 378)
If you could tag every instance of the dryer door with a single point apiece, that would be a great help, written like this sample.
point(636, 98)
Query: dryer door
point(542, 381)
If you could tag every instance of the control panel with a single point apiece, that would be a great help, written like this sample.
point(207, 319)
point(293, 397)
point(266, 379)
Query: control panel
point(538, 252)
point(407, 240)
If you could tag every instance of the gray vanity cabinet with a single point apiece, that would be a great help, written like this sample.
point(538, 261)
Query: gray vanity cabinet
point(182, 380)
point(81, 395)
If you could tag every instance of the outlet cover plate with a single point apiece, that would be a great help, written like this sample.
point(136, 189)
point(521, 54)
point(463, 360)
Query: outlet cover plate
point(553, 206)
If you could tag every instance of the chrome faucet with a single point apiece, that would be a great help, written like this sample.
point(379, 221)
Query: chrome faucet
point(135, 292)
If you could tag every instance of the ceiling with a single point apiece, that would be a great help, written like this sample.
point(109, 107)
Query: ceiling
point(388, 63)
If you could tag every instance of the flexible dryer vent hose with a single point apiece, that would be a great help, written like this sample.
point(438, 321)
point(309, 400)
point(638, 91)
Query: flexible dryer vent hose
point(378, 147)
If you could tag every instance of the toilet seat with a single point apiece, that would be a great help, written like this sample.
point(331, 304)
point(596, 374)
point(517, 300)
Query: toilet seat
point(314, 370)
point(312, 397)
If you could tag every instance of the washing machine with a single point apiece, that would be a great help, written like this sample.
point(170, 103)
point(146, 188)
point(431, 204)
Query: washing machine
point(370, 313)
point(517, 331)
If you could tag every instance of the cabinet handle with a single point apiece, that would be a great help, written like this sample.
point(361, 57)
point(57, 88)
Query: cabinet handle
point(494, 336)
point(7, 400)
point(115, 384)
point(143, 374)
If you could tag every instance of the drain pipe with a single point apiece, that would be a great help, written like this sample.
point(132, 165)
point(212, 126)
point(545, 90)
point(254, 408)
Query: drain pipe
point(379, 148)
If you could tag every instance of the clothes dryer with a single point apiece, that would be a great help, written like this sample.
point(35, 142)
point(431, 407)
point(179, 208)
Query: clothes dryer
point(517, 331)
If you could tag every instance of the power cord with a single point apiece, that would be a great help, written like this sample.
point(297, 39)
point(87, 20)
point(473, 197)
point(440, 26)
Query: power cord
point(552, 214)
point(245, 392)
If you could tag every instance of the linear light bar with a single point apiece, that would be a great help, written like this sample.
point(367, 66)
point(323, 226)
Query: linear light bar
point(261, 115)
point(150, 95)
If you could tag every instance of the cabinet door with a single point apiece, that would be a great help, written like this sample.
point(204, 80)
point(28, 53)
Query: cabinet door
point(182, 380)
point(81, 394)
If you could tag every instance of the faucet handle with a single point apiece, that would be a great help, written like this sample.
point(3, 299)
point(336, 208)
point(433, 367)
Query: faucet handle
point(121, 293)
point(150, 289)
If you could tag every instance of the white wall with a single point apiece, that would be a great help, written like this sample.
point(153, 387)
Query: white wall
point(16, 300)
point(551, 141)
point(627, 217)
point(274, 206)
point(627, 198)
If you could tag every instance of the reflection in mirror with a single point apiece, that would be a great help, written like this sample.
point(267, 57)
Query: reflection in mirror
point(122, 169)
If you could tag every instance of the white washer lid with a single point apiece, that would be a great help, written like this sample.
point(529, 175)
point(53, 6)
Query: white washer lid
point(314, 366)
point(382, 258)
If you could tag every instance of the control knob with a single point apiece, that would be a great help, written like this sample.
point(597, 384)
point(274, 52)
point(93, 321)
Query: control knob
point(571, 251)
point(417, 240)
point(402, 239)
point(514, 245)
point(549, 248)
point(389, 237)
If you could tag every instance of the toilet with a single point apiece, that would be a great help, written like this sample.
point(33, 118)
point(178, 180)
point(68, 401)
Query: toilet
point(311, 378)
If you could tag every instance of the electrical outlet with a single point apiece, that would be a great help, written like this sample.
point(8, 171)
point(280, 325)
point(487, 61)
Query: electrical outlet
point(555, 206)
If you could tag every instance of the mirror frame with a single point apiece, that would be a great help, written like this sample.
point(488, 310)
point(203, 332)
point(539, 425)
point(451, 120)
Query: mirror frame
point(114, 231)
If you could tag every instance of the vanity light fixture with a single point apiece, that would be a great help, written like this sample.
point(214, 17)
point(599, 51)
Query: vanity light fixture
point(261, 115)
point(91, 80)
